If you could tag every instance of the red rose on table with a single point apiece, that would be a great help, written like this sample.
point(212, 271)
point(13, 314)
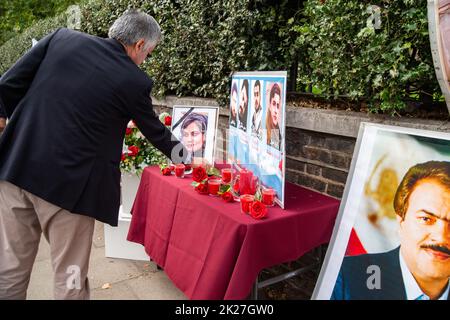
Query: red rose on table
point(202, 188)
point(236, 186)
point(166, 172)
point(128, 131)
point(258, 210)
point(227, 196)
point(168, 121)
point(199, 174)
point(133, 151)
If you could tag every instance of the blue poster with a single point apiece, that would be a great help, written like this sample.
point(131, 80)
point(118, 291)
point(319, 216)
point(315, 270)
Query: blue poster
point(257, 127)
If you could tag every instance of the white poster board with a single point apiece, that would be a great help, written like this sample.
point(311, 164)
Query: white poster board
point(395, 206)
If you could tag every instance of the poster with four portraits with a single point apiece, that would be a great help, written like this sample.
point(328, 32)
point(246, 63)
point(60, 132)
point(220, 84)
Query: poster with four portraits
point(391, 240)
point(256, 136)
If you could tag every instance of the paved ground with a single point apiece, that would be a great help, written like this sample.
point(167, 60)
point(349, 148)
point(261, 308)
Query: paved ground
point(127, 279)
point(121, 279)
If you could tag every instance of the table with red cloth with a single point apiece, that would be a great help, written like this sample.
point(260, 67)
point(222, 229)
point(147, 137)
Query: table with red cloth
point(208, 248)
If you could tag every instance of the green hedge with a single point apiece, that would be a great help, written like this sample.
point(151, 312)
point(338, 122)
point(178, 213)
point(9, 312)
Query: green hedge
point(14, 48)
point(204, 41)
point(387, 65)
point(338, 53)
point(18, 15)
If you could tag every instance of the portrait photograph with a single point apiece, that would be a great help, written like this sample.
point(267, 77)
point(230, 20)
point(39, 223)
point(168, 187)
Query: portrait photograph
point(256, 110)
point(243, 104)
point(391, 240)
point(273, 114)
point(234, 95)
point(196, 128)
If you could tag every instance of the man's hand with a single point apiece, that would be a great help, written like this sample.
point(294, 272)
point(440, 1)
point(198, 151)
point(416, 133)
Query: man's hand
point(2, 124)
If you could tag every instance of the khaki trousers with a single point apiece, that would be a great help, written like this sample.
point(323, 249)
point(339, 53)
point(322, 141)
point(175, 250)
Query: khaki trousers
point(23, 217)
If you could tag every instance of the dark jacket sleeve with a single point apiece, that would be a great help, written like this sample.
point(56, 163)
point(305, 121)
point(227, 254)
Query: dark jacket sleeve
point(147, 121)
point(2, 111)
point(15, 83)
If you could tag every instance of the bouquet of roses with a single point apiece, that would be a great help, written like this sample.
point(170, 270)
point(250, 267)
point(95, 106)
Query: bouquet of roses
point(138, 152)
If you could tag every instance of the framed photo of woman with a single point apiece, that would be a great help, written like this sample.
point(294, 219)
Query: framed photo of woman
point(196, 128)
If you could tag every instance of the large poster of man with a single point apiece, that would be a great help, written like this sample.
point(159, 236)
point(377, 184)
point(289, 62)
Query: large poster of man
point(439, 29)
point(257, 127)
point(196, 128)
point(392, 236)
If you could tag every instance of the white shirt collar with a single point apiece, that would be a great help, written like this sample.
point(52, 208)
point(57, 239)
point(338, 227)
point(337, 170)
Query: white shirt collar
point(412, 289)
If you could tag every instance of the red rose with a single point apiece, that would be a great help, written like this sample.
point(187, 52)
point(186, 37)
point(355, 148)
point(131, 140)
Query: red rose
point(128, 131)
point(236, 186)
point(168, 120)
point(227, 196)
point(202, 188)
point(172, 167)
point(166, 172)
point(133, 151)
point(199, 174)
point(258, 210)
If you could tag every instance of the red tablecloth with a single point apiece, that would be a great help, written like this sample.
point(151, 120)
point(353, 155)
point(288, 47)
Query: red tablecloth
point(208, 248)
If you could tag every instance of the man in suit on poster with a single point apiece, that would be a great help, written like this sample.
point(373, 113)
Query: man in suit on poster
point(68, 101)
point(419, 269)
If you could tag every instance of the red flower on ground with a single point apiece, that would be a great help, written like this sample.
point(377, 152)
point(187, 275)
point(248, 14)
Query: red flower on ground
point(133, 151)
point(202, 188)
point(168, 121)
point(199, 174)
point(258, 210)
point(129, 131)
point(166, 171)
point(227, 196)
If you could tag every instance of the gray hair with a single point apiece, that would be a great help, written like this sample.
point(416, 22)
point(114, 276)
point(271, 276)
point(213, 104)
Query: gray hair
point(134, 25)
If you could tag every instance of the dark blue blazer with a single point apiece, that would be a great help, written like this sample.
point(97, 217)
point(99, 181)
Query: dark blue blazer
point(69, 100)
point(2, 112)
point(351, 283)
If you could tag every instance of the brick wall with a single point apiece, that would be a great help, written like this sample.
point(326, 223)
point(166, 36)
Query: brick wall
point(317, 160)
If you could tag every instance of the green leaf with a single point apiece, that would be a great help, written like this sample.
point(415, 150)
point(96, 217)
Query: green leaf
point(212, 171)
